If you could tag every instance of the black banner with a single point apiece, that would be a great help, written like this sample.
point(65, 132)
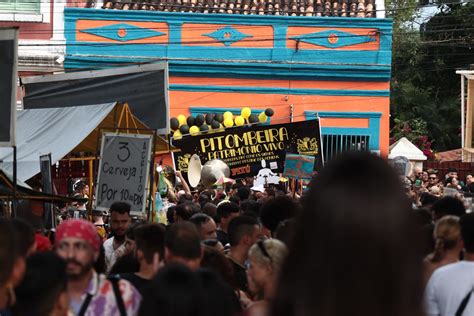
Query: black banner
point(8, 77)
point(247, 149)
point(145, 92)
point(46, 177)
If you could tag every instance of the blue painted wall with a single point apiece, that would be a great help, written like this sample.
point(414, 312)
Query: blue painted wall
point(373, 130)
point(279, 61)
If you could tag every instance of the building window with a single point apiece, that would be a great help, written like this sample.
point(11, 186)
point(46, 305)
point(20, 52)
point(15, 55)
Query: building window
point(20, 6)
point(334, 144)
point(336, 140)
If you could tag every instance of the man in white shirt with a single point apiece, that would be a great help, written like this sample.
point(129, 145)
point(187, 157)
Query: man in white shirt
point(450, 285)
point(120, 220)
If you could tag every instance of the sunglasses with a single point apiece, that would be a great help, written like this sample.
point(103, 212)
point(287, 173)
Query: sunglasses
point(432, 178)
point(264, 251)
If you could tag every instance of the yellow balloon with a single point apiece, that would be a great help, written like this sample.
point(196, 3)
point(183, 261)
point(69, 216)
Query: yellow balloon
point(239, 121)
point(194, 130)
point(228, 115)
point(262, 117)
point(228, 122)
point(181, 119)
point(246, 112)
point(177, 134)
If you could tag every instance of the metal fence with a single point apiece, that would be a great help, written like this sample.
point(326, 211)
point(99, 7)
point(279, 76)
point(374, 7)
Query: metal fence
point(336, 144)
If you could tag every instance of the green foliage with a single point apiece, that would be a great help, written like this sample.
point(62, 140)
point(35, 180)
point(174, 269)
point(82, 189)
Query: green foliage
point(448, 43)
point(411, 129)
point(425, 86)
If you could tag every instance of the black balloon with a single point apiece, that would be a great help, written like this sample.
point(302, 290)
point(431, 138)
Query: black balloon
point(253, 118)
point(269, 112)
point(204, 128)
point(219, 117)
point(215, 125)
point(190, 120)
point(174, 123)
point(184, 129)
point(209, 118)
point(199, 120)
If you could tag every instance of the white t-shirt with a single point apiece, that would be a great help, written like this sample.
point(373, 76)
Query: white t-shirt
point(447, 287)
point(112, 255)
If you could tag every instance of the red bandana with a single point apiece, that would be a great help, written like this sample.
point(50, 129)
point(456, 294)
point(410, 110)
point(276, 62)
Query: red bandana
point(78, 228)
point(42, 243)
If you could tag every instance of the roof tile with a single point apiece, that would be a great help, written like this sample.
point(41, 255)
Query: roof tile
point(339, 8)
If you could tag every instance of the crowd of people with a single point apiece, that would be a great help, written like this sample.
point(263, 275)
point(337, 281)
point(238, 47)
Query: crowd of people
point(426, 186)
point(358, 241)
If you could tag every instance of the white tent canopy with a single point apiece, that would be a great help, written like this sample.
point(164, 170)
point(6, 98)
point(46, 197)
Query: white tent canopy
point(403, 147)
point(52, 130)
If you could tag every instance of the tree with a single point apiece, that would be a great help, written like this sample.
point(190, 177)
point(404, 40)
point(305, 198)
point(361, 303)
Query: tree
point(424, 85)
point(448, 43)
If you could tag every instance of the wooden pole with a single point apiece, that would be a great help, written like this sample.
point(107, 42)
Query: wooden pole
point(121, 116)
point(127, 113)
point(91, 184)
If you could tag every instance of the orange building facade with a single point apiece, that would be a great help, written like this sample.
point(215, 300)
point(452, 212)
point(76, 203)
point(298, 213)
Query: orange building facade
point(336, 69)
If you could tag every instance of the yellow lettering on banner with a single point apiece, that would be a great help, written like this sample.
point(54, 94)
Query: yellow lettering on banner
point(274, 134)
point(252, 141)
point(239, 140)
point(283, 134)
point(205, 142)
point(260, 136)
point(229, 141)
point(219, 142)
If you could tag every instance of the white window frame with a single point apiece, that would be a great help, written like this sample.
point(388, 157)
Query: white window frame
point(44, 16)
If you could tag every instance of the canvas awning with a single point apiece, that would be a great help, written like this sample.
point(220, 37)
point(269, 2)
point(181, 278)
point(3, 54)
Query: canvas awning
point(60, 131)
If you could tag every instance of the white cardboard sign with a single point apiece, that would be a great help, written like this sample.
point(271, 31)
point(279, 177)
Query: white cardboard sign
point(124, 170)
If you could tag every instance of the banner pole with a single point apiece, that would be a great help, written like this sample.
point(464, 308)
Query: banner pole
point(91, 187)
point(15, 201)
point(152, 180)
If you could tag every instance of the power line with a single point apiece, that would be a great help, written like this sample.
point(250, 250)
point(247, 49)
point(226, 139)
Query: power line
point(440, 68)
point(298, 4)
point(430, 5)
point(239, 27)
point(213, 41)
point(439, 17)
point(248, 27)
point(151, 59)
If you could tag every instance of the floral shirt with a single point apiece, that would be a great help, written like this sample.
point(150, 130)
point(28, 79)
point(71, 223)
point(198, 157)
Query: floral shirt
point(104, 302)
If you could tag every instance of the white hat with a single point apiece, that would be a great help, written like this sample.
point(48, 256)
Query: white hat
point(258, 188)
